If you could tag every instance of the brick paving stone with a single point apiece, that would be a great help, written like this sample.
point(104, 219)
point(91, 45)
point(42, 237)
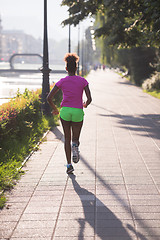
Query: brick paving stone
point(74, 238)
point(114, 192)
point(147, 202)
point(150, 216)
point(5, 225)
point(81, 197)
point(42, 198)
point(75, 209)
point(108, 192)
point(35, 224)
point(145, 197)
point(44, 194)
point(86, 215)
point(20, 193)
point(5, 234)
point(153, 223)
point(119, 238)
point(43, 203)
point(150, 231)
point(71, 191)
point(112, 216)
point(9, 211)
point(26, 238)
point(113, 208)
point(36, 210)
point(38, 217)
point(141, 189)
point(149, 237)
point(104, 232)
point(16, 205)
point(110, 197)
point(68, 223)
point(108, 202)
point(109, 223)
point(78, 203)
point(33, 233)
point(74, 232)
point(9, 217)
point(145, 209)
point(17, 199)
point(27, 184)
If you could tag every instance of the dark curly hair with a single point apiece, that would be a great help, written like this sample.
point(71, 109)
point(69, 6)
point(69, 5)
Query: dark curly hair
point(71, 60)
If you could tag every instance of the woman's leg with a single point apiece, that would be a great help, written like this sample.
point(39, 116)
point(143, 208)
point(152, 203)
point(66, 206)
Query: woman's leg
point(67, 138)
point(76, 130)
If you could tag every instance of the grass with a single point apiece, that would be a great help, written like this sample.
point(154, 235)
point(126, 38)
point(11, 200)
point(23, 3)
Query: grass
point(2, 200)
point(155, 93)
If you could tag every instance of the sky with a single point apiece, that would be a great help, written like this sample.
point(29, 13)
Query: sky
point(27, 15)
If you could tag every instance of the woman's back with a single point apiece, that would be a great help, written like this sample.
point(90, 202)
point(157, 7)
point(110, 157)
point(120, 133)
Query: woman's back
point(72, 88)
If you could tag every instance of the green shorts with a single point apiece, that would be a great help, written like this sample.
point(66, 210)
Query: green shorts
point(72, 114)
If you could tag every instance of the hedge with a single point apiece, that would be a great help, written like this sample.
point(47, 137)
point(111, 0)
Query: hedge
point(139, 62)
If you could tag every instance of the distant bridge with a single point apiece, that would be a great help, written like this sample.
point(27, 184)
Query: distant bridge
point(23, 54)
point(14, 70)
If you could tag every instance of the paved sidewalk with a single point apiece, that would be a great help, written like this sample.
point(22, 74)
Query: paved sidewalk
point(114, 193)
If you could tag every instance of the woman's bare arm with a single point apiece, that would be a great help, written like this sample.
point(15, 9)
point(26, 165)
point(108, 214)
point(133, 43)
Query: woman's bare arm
point(88, 95)
point(50, 100)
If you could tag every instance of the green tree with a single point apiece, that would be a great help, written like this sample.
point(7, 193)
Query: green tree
point(126, 22)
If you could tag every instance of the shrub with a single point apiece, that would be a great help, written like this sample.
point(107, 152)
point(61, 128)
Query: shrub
point(140, 66)
point(152, 83)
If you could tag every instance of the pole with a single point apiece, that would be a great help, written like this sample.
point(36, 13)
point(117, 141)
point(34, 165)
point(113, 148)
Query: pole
point(82, 58)
point(69, 40)
point(45, 69)
point(78, 50)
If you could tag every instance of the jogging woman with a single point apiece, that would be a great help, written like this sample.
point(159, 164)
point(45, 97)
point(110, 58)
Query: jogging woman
point(71, 113)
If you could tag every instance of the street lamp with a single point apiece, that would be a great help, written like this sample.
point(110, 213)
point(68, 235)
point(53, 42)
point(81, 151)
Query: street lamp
point(78, 50)
point(45, 69)
point(69, 40)
point(82, 58)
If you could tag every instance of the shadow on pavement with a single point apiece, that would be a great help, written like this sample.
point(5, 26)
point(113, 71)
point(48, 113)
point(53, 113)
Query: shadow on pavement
point(127, 83)
point(106, 224)
point(148, 124)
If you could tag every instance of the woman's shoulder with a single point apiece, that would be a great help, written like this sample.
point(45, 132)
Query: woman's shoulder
point(81, 78)
point(82, 81)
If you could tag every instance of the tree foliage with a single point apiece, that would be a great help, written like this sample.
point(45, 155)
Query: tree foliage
point(124, 23)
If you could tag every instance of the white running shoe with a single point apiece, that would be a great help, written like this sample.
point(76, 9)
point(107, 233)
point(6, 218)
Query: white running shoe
point(75, 151)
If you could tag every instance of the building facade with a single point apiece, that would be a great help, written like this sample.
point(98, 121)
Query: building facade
point(16, 41)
